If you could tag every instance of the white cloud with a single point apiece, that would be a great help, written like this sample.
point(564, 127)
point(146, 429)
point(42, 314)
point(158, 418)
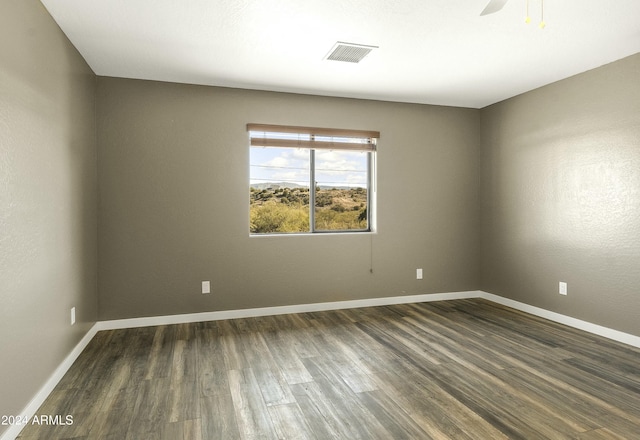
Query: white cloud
point(341, 168)
point(279, 161)
point(333, 167)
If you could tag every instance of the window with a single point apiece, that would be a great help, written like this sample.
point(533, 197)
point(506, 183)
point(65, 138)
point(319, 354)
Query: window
point(306, 179)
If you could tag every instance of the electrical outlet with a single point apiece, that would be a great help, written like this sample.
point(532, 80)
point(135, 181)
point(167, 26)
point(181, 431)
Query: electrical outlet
point(73, 315)
point(562, 288)
point(418, 274)
point(206, 287)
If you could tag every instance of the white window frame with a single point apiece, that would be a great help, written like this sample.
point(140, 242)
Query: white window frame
point(313, 139)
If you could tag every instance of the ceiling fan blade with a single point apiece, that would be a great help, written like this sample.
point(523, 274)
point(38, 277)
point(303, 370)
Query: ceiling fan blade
point(493, 6)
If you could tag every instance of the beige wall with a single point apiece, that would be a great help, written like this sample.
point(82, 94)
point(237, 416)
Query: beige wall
point(560, 196)
point(48, 254)
point(173, 178)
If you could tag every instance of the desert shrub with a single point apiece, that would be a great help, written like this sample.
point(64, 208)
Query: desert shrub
point(287, 210)
point(273, 217)
point(330, 220)
point(323, 198)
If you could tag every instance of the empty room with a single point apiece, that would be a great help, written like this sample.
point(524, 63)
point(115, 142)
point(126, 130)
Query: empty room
point(261, 219)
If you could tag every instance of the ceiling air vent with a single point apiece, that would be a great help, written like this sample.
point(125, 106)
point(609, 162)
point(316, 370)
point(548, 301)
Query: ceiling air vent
point(348, 52)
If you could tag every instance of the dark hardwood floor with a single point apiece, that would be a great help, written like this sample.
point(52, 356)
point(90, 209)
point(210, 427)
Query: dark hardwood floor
point(464, 369)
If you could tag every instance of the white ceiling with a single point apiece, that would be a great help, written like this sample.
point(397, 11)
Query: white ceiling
point(430, 51)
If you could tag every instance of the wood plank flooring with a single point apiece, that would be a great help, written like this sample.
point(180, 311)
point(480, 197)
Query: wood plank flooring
point(464, 369)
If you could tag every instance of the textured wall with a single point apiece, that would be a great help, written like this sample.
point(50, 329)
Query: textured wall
point(560, 196)
point(173, 178)
point(47, 200)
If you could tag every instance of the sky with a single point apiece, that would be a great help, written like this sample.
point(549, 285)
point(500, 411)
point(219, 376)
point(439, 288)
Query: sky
point(337, 168)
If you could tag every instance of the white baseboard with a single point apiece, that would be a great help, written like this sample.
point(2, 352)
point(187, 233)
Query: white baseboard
point(30, 410)
point(282, 310)
point(606, 332)
point(589, 327)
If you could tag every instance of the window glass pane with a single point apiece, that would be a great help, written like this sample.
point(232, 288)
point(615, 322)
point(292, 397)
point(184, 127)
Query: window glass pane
point(279, 190)
point(341, 190)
